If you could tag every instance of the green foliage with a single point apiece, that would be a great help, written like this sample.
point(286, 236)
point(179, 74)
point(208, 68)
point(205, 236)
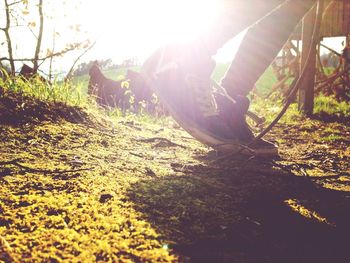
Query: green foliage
point(140, 190)
point(135, 188)
point(265, 82)
point(324, 107)
point(263, 85)
point(330, 106)
point(332, 138)
point(55, 92)
point(74, 93)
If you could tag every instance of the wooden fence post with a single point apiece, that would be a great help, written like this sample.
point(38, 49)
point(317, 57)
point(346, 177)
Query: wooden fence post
point(306, 92)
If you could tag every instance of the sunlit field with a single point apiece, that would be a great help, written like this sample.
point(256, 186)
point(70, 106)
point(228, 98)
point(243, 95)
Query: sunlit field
point(94, 167)
point(75, 93)
point(80, 184)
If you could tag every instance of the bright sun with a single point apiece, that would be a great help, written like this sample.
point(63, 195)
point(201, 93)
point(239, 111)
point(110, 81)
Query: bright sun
point(140, 25)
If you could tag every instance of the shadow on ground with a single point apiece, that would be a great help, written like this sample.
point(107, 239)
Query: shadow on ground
point(245, 211)
point(329, 118)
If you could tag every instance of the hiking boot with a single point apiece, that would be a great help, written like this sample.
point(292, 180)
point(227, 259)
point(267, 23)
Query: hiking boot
point(181, 77)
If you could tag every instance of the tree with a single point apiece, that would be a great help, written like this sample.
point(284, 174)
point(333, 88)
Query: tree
point(84, 67)
point(40, 36)
point(6, 31)
point(29, 16)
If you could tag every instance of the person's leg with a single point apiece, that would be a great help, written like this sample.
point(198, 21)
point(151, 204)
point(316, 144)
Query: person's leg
point(234, 17)
point(181, 74)
point(195, 58)
point(261, 45)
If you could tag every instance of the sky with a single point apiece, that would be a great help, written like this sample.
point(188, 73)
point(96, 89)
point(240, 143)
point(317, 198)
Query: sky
point(137, 27)
point(122, 29)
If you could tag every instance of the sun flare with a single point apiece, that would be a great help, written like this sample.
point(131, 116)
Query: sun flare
point(139, 25)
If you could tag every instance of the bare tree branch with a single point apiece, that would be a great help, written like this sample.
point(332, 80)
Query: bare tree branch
point(56, 54)
point(15, 3)
point(70, 72)
point(18, 16)
point(14, 18)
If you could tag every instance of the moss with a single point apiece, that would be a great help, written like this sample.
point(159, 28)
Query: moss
point(98, 191)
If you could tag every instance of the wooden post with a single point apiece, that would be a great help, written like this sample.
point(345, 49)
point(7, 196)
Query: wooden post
point(306, 92)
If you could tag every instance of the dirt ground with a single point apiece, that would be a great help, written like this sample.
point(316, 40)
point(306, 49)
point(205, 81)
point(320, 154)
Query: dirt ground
point(79, 188)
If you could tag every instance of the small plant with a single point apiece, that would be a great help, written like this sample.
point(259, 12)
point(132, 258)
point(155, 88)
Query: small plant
point(55, 92)
point(330, 106)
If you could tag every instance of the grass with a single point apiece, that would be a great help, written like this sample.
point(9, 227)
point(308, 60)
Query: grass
point(85, 192)
point(74, 93)
point(263, 85)
point(329, 105)
point(56, 92)
point(134, 199)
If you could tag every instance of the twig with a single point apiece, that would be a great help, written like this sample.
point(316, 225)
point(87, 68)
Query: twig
point(81, 146)
point(15, 162)
point(5, 244)
point(153, 139)
point(136, 154)
point(70, 72)
point(7, 250)
point(15, 3)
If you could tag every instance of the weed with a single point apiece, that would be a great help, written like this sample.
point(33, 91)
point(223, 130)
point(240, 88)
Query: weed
point(329, 105)
point(55, 92)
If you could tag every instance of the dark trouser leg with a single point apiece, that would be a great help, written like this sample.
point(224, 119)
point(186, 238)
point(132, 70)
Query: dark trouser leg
point(261, 45)
point(234, 17)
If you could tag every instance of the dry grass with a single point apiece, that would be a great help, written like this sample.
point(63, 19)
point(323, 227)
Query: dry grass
point(128, 189)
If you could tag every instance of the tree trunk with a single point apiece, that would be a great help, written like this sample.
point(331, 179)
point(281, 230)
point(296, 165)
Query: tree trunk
point(53, 50)
point(40, 36)
point(310, 40)
point(8, 38)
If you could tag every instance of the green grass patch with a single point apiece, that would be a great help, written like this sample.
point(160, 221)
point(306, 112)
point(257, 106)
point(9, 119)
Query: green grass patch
point(75, 93)
point(330, 106)
point(56, 92)
point(263, 85)
point(265, 82)
point(332, 138)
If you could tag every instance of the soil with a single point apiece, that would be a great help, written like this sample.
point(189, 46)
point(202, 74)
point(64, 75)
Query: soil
point(87, 189)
